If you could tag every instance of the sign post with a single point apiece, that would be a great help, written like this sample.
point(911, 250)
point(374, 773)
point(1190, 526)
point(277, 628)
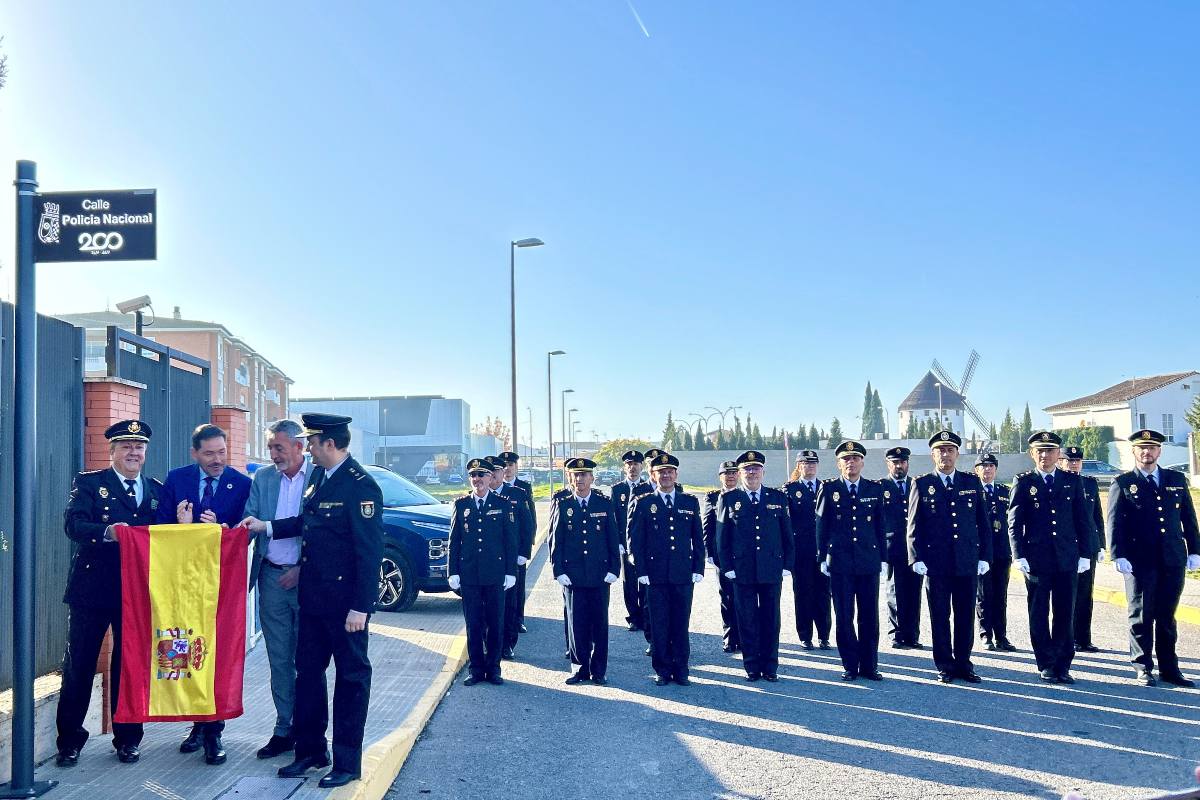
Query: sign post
point(66, 226)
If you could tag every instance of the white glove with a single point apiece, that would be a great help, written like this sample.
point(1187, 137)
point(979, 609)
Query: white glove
point(455, 582)
point(564, 579)
point(1084, 565)
point(731, 575)
point(984, 567)
point(825, 568)
point(509, 582)
point(1099, 555)
point(610, 578)
point(644, 580)
point(621, 547)
point(883, 569)
point(1123, 566)
point(787, 573)
point(920, 568)
point(696, 578)
point(1193, 561)
point(522, 561)
point(710, 561)
point(1023, 566)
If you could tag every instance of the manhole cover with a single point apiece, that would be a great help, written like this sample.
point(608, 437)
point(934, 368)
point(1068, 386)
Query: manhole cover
point(263, 788)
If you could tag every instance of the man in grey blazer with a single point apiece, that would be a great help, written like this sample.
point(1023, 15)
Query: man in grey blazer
point(275, 494)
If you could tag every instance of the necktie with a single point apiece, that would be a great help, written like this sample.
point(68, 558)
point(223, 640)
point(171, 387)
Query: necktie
point(853, 490)
point(1050, 480)
point(900, 485)
point(949, 483)
point(131, 490)
point(207, 499)
point(667, 499)
point(583, 506)
point(754, 498)
point(812, 487)
point(1153, 482)
point(479, 504)
point(991, 493)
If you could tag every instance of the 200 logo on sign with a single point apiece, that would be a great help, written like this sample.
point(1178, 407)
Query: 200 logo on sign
point(99, 243)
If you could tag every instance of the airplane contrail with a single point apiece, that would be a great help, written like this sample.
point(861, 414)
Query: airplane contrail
point(638, 17)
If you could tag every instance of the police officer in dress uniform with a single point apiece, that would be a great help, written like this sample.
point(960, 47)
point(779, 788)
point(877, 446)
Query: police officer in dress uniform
point(623, 495)
point(852, 546)
point(903, 585)
point(1072, 461)
point(667, 543)
point(524, 526)
point(756, 549)
point(950, 543)
point(992, 599)
point(484, 544)
point(511, 466)
point(1154, 536)
point(101, 500)
point(728, 475)
point(341, 547)
point(1051, 533)
point(586, 557)
point(810, 586)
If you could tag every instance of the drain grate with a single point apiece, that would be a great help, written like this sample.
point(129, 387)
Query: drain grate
point(262, 788)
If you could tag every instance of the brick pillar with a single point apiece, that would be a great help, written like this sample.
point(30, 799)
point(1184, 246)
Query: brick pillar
point(105, 401)
point(232, 420)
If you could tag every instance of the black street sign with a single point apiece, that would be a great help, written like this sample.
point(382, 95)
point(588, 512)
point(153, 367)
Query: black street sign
point(100, 225)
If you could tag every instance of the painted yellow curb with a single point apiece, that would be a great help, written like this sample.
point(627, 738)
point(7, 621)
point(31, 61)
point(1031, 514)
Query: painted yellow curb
point(1116, 597)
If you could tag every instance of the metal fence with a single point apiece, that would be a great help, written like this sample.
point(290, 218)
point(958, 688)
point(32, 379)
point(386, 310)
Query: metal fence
point(176, 398)
point(60, 455)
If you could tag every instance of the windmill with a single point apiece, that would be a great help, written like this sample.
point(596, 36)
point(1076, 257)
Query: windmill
point(962, 386)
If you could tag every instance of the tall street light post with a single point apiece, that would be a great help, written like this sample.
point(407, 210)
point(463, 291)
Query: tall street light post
point(562, 408)
point(512, 308)
point(550, 419)
point(383, 435)
point(570, 430)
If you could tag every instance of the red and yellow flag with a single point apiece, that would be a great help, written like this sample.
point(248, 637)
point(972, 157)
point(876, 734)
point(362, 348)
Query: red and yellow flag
point(183, 618)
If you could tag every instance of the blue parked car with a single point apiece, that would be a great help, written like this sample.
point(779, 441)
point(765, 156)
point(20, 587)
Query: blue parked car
point(416, 541)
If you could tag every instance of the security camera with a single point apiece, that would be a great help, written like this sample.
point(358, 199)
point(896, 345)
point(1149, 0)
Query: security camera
point(136, 304)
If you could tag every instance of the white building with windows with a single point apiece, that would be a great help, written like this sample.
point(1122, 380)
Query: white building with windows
point(932, 400)
point(1158, 402)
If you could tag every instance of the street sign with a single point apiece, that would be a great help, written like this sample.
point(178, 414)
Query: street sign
point(100, 225)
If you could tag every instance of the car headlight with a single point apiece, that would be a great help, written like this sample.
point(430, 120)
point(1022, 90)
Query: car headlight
point(440, 527)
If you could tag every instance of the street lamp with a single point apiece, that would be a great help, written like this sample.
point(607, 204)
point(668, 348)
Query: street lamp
point(529, 411)
point(569, 430)
point(574, 438)
point(562, 418)
point(512, 308)
point(383, 435)
point(550, 419)
point(723, 413)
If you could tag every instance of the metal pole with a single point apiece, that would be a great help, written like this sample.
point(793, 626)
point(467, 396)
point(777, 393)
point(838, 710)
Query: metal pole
point(24, 499)
point(549, 427)
point(512, 316)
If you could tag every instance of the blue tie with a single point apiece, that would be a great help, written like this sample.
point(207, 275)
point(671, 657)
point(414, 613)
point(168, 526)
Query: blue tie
point(207, 500)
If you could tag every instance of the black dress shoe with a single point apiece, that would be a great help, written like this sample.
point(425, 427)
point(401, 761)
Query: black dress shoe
point(770, 677)
point(898, 645)
point(522, 628)
point(1004, 645)
point(578, 677)
point(945, 677)
point(507, 654)
point(849, 676)
point(970, 677)
point(633, 626)
point(873, 676)
point(495, 680)
point(1146, 678)
point(989, 645)
point(823, 644)
point(647, 650)
point(193, 742)
point(214, 750)
point(659, 680)
point(1065, 677)
point(600, 680)
point(128, 754)
point(1175, 679)
point(276, 747)
point(337, 777)
point(303, 764)
point(728, 648)
point(806, 644)
point(751, 677)
point(471, 680)
point(1048, 676)
point(682, 680)
point(67, 757)
point(916, 645)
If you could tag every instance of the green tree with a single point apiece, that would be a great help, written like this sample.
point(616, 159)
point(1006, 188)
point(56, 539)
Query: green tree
point(1192, 415)
point(670, 435)
point(835, 433)
point(1026, 428)
point(722, 443)
point(609, 454)
point(879, 421)
point(814, 437)
point(992, 431)
point(868, 413)
point(739, 437)
point(776, 440)
point(685, 442)
point(756, 438)
point(700, 439)
point(1009, 433)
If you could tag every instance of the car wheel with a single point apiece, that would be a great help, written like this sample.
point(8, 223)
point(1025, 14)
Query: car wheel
point(397, 583)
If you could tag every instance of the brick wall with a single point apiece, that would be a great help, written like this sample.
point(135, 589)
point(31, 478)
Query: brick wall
point(232, 419)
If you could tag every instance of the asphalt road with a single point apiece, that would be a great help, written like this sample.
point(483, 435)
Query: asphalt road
point(810, 735)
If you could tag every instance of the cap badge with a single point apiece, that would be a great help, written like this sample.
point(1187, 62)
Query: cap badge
point(945, 436)
point(1045, 437)
point(134, 427)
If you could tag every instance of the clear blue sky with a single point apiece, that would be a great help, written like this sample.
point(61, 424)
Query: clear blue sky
point(757, 204)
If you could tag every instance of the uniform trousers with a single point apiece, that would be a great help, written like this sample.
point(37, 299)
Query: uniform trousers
point(483, 608)
point(514, 609)
point(729, 624)
point(587, 615)
point(758, 624)
point(992, 601)
point(322, 636)
point(634, 595)
point(86, 626)
point(903, 602)
point(1153, 596)
point(952, 594)
point(858, 648)
point(1052, 594)
point(671, 611)
point(812, 595)
point(1083, 606)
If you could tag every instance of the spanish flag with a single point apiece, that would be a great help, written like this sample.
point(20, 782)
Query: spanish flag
point(183, 618)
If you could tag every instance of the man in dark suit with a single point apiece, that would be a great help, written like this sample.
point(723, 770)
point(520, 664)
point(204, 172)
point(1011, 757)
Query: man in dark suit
point(1072, 461)
point(950, 544)
point(623, 495)
point(511, 466)
point(728, 475)
point(484, 545)
point(903, 585)
point(523, 522)
point(754, 540)
point(1155, 539)
point(586, 557)
point(207, 490)
point(100, 501)
point(342, 544)
point(1051, 533)
point(810, 586)
point(992, 598)
point(852, 547)
point(667, 544)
